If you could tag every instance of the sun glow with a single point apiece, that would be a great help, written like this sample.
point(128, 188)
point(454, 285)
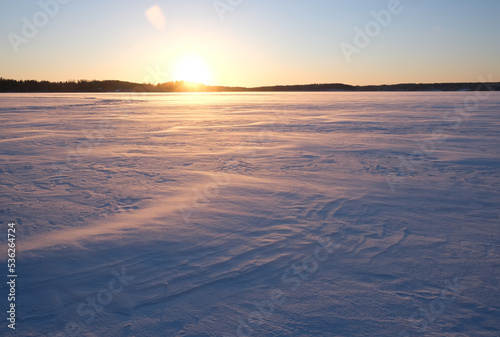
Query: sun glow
point(192, 69)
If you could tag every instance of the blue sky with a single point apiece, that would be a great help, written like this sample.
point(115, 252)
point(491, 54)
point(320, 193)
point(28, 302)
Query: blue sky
point(256, 42)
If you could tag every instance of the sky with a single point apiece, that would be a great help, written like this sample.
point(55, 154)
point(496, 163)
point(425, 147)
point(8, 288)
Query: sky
point(251, 42)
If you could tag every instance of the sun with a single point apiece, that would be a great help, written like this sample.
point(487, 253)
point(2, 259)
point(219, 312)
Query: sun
point(192, 69)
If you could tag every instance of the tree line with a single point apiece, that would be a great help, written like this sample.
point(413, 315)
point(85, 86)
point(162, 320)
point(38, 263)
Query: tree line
point(27, 86)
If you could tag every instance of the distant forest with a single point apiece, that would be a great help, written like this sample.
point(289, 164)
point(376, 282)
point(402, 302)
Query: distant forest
point(7, 85)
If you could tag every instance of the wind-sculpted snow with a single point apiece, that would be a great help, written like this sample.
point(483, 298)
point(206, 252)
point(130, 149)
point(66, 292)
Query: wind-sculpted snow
point(265, 214)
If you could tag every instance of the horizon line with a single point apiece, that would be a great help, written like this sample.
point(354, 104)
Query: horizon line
point(246, 87)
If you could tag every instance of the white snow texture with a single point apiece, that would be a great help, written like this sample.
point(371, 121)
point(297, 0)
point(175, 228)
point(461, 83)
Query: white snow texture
point(252, 214)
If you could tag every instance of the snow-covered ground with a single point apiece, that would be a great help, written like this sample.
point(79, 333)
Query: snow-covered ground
point(254, 214)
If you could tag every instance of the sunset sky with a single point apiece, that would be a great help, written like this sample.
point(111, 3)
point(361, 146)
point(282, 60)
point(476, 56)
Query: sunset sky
point(251, 42)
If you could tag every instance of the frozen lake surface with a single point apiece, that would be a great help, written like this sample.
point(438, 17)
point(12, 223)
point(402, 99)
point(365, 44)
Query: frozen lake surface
point(254, 214)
